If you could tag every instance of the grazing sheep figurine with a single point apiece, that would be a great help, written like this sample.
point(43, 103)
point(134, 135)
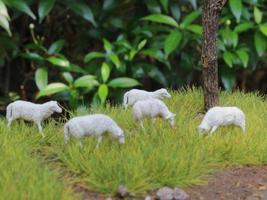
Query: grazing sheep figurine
point(222, 116)
point(134, 95)
point(94, 125)
point(152, 108)
point(31, 112)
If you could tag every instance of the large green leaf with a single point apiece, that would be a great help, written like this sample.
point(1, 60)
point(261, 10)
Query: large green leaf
point(161, 19)
point(243, 56)
point(3, 10)
point(82, 9)
point(32, 56)
point(228, 57)
point(45, 6)
point(115, 59)
point(5, 24)
point(52, 88)
point(107, 46)
point(230, 38)
point(68, 77)
point(56, 47)
point(228, 79)
point(22, 6)
point(172, 42)
point(87, 81)
point(195, 28)
point(41, 77)
point(263, 29)
point(257, 15)
point(93, 55)
point(190, 18)
point(123, 82)
point(243, 27)
point(103, 92)
point(62, 62)
point(260, 43)
point(236, 7)
point(141, 44)
point(105, 71)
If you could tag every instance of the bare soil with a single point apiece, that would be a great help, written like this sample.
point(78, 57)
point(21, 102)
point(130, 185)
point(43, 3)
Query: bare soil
point(235, 183)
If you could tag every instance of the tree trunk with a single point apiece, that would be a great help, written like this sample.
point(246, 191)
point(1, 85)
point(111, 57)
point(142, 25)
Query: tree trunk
point(210, 22)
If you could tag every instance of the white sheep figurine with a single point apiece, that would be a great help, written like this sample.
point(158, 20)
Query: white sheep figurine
point(31, 112)
point(152, 108)
point(222, 116)
point(134, 95)
point(92, 125)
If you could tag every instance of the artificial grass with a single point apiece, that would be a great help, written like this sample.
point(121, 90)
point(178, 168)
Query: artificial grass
point(160, 155)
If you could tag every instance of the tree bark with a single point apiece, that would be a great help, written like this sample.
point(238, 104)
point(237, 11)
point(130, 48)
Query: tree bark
point(210, 22)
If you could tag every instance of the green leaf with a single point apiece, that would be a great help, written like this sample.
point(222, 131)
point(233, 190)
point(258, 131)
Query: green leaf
point(107, 46)
point(32, 56)
point(68, 77)
point(228, 79)
point(5, 24)
point(195, 29)
point(243, 27)
point(41, 77)
point(228, 57)
point(56, 47)
point(52, 88)
point(82, 9)
point(3, 10)
point(103, 92)
point(263, 29)
point(193, 3)
point(161, 19)
point(45, 6)
point(260, 43)
point(175, 10)
point(62, 62)
point(93, 55)
point(236, 7)
point(165, 4)
point(230, 38)
point(257, 15)
point(190, 18)
point(115, 60)
point(123, 82)
point(105, 71)
point(21, 6)
point(243, 56)
point(88, 81)
point(172, 42)
point(141, 44)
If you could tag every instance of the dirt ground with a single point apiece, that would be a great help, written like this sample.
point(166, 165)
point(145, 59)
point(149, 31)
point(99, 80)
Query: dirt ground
point(238, 183)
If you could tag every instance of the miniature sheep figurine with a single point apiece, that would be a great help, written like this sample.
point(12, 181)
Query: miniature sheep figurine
point(31, 112)
point(92, 125)
point(134, 95)
point(222, 116)
point(152, 108)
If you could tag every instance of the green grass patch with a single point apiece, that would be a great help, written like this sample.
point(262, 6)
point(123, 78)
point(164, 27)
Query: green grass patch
point(158, 156)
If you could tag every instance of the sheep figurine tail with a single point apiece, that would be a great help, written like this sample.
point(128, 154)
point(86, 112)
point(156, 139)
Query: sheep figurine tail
point(9, 115)
point(66, 133)
point(125, 100)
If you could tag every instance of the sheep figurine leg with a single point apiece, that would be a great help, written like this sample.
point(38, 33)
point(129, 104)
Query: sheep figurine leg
point(99, 139)
point(213, 129)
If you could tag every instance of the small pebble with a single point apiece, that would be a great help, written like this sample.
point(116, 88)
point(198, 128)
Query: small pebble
point(165, 193)
point(148, 198)
point(122, 191)
point(180, 194)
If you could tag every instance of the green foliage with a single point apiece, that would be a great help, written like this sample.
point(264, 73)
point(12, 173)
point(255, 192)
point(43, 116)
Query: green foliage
point(156, 43)
point(151, 158)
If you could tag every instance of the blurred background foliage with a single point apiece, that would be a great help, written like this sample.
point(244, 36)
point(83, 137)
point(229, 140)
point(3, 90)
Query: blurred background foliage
point(88, 51)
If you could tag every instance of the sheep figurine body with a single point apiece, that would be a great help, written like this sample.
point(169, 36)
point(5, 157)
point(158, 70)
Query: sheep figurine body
point(31, 112)
point(152, 108)
point(92, 125)
point(222, 116)
point(134, 95)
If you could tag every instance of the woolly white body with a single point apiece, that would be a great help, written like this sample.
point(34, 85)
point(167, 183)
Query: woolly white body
point(134, 95)
point(222, 116)
point(152, 108)
point(31, 112)
point(92, 125)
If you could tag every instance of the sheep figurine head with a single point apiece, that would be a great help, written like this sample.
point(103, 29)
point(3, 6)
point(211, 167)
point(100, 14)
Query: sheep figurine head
point(163, 93)
point(203, 127)
point(171, 118)
point(120, 136)
point(54, 107)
